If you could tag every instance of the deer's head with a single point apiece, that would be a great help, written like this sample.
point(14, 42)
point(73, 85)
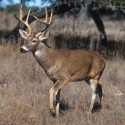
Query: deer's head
point(31, 40)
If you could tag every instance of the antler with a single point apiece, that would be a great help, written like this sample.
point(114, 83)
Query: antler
point(46, 22)
point(26, 21)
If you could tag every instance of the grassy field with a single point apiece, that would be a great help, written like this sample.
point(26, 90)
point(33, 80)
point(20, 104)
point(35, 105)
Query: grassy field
point(24, 94)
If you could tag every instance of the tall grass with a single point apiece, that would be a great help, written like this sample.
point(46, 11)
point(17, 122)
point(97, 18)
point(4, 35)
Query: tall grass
point(24, 86)
point(24, 99)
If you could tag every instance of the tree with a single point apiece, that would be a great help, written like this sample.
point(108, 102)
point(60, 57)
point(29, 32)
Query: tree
point(92, 6)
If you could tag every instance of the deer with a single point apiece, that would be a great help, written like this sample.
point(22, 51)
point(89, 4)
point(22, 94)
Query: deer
point(62, 66)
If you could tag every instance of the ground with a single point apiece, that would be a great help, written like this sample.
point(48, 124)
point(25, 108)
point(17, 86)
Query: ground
point(24, 94)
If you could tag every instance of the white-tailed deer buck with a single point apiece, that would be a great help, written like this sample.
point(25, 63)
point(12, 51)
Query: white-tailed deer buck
point(62, 66)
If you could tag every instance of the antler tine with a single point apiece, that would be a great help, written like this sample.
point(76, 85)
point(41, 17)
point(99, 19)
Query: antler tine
point(46, 19)
point(49, 21)
point(28, 15)
point(51, 16)
point(21, 11)
point(46, 15)
point(26, 21)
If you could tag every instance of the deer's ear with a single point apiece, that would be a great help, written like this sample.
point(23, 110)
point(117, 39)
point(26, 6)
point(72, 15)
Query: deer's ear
point(23, 33)
point(44, 36)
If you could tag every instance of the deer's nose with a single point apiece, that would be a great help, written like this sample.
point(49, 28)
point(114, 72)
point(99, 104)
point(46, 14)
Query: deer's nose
point(22, 50)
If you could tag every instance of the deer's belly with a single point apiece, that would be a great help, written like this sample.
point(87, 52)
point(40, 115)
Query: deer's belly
point(79, 77)
point(53, 74)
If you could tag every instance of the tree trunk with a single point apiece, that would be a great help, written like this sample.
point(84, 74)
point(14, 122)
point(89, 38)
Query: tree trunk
point(100, 26)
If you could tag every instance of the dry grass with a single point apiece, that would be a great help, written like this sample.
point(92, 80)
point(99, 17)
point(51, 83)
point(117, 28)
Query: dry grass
point(24, 87)
point(24, 99)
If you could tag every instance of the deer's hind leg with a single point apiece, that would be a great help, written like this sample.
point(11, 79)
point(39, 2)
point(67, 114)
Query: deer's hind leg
point(96, 89)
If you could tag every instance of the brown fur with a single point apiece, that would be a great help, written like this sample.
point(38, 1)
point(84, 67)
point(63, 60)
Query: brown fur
point(63, 66)
point(78, 64)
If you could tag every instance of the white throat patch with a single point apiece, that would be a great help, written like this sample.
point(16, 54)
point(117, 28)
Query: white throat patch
point(37, 53)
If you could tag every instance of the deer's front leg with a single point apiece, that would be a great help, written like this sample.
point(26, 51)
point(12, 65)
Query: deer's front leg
point(58, 85)
point(57, 95)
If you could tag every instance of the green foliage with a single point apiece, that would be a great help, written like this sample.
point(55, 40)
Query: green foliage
point(15, 8)
point(12, 8)
point(96, 3)
point(111, 3)
point(103, 3)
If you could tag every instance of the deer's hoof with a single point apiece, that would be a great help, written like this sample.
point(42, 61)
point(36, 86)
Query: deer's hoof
point(53, 112)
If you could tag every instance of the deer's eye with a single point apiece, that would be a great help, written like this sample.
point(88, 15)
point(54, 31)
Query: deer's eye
point(34, 41)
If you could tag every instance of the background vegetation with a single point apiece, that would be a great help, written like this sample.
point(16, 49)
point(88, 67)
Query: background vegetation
point(24, 87)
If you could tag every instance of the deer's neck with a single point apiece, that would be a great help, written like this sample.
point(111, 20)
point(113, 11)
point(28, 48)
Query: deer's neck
point(43, 55)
